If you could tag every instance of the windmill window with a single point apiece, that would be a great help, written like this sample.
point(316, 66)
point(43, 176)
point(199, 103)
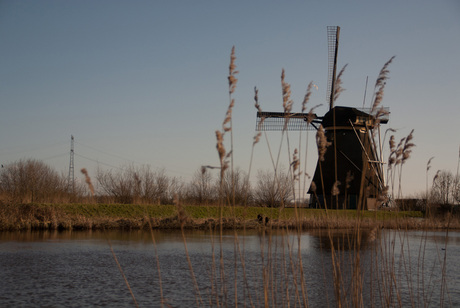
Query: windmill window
point(361, 120)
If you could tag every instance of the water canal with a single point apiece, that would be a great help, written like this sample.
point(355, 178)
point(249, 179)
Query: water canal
point(81, 269)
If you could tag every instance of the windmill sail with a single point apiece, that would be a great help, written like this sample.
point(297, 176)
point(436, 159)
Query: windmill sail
point(278, 121)
point(333, 35)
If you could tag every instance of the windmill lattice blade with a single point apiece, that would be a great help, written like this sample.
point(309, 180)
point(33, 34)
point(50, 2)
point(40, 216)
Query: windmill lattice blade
point(275, 121)
point(332, 43)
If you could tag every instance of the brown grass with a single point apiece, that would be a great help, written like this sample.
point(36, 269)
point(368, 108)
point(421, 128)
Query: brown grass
point(71, 217)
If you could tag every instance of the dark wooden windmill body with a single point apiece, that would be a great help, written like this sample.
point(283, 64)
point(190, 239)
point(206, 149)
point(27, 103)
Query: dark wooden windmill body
point(350, 174)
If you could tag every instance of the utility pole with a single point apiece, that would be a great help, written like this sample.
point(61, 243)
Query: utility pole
point(71, 178)
point(457, 180)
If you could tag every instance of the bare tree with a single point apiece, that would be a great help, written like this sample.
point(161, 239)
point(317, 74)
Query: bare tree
point(445, 188)
point(202, 190)
point(236, 188)
point(133, 184)
point(115, 185)
point(32, 181)
point(456, 192)
point(176, 189)
point(273, 190)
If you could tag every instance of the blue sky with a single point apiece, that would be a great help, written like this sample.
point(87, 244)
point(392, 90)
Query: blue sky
point(145, 82)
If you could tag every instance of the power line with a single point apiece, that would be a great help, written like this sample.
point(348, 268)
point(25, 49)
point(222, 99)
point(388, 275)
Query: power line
point(54, 156)
point(107, 153)
point(123, 158)
point(20, 149)
point(97, 161)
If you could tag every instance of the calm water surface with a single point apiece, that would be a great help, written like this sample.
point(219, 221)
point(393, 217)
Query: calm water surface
point(80, 269)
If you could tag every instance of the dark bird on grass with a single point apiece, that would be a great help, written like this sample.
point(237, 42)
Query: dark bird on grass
point(261, 219)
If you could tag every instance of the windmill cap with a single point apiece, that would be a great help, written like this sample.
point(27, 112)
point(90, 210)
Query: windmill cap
point(357, 117)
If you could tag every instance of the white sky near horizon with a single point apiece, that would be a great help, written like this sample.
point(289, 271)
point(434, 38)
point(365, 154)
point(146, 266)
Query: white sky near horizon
point(145, 82)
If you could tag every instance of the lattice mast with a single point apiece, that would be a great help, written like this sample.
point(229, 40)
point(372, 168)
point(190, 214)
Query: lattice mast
point(71, 177)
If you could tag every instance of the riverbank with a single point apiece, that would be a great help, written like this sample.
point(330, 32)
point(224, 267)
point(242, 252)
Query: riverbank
point(132, 217)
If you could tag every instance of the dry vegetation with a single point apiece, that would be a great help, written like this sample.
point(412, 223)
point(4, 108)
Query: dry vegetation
point(75, 216)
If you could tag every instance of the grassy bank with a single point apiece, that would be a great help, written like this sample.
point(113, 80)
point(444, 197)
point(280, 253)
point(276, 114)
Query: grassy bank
point(110, 216)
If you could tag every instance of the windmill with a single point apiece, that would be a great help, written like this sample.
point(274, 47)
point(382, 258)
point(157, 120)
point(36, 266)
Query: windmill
point(350, 173)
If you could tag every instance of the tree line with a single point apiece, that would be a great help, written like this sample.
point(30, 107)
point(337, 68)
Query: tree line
point(33, 181)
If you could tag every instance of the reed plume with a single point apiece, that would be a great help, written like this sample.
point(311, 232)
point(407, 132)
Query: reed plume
point(380, 85)
point(428, 167)
point(381, 112)
point(226, 125)
point(311, 116)
point(428, 164)
point(307, 97)
point(399, 151)
point(407, 148)
point(392, 156)
point(256, 100)
point(257, 136)
point(262, 119)
point(436, 176)
point(322, 143)
point(338, 84)
point(295, 165)
point(232, 80)
point(392, 143)
point(403, 151)
point(286, 90)
point(335, 188)
point(287, 102)
point(88, 180)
